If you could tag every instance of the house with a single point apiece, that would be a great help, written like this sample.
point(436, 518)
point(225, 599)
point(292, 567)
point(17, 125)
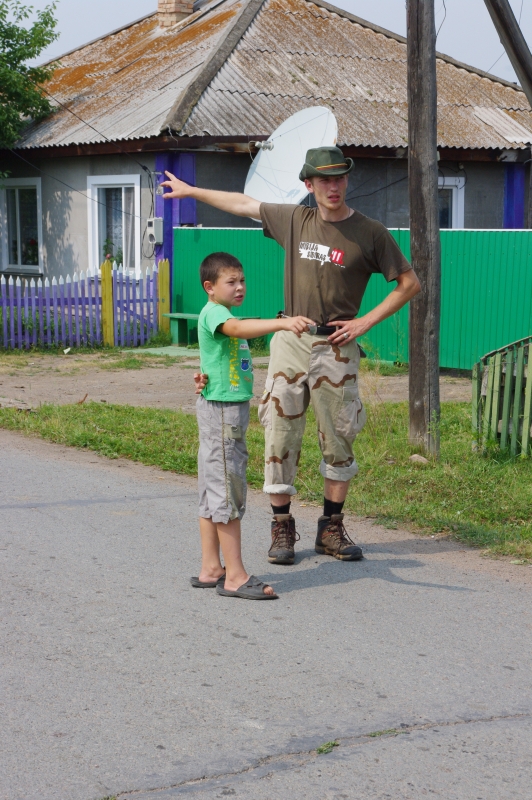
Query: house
point(192, 86)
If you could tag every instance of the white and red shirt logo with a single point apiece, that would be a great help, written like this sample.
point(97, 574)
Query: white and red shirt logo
point(321, 253)
point(337, 256)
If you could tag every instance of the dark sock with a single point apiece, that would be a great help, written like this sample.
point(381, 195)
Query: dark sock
point(330, 507)
point(281, 509)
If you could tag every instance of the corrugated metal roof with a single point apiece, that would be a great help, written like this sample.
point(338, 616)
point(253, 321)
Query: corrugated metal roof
point(125, 84)
point(504, 124)
point(295, 54)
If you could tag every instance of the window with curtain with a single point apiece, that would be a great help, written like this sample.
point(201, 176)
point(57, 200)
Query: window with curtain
point(22, 224)
point(116, 224)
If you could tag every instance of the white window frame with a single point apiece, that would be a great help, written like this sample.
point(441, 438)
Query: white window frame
point(14, 183)
point(95, 182)
point(457, 185)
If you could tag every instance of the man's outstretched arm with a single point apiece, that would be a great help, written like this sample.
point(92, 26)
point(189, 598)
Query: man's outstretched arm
point(232, 202)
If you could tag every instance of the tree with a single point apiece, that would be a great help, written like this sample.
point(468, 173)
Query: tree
point(21, 99)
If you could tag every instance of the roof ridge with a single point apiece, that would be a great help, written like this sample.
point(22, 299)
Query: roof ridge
point(182, 108)
point(402, 39)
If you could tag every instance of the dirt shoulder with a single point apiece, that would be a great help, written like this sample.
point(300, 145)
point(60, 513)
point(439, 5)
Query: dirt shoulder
point(155, 381)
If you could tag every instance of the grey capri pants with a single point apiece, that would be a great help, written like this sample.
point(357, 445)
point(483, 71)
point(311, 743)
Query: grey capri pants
point(222, 459)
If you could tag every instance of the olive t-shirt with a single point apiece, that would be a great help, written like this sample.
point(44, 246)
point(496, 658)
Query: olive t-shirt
point(328, 264)
point(225, 359)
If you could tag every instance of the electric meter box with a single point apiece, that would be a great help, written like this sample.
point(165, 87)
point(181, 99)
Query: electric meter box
point(155, 230)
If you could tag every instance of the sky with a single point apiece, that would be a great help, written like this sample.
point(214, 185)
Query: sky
point(466, 31)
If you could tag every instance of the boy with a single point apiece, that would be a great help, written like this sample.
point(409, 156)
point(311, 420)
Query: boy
point(225, 386)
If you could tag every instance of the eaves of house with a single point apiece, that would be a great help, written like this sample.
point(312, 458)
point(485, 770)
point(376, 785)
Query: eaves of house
point(233, 70)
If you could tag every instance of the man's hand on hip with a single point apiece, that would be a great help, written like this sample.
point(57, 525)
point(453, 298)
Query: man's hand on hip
point(347, 330)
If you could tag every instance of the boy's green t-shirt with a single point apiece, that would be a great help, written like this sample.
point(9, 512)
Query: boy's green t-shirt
point(226, 360)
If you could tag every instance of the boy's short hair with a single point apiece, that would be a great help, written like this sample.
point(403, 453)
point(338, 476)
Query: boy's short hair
point(215, 263)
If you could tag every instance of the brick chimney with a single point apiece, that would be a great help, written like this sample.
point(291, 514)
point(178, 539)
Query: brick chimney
point(172, 11)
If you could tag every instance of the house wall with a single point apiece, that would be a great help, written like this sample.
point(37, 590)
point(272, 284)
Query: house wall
point(226, 172)
point(377, 187)
point(484, 192)
point(64, 204)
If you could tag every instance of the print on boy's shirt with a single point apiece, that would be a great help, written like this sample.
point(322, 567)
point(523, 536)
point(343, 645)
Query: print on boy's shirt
point(321, 253)
point(234, 375)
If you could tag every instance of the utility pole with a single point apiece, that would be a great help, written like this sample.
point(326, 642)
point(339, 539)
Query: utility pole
point(520, 57)
point(424, 346)
point(513, 42)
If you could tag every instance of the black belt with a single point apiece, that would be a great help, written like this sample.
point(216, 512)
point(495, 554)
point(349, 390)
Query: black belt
point(322, 330)
point(328, 330)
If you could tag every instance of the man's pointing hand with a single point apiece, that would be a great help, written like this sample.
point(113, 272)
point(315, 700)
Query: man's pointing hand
point(178, 188)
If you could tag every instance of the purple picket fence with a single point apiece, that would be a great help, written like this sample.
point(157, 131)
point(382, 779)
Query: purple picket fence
point(136, 310)
point(69, 312)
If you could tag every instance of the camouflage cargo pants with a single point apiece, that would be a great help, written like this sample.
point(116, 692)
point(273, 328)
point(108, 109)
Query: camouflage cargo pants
point(303, 371)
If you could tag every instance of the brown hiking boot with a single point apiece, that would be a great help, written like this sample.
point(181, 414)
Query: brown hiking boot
point(284, 537)
point(332, 539)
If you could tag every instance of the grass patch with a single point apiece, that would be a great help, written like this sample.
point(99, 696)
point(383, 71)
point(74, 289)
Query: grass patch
point(389, 732)
point(328, 747)
point(108, 358)
point(139, 360)
point(159, 339)
point(386, 369)
point(162, 438)
point(483, 501)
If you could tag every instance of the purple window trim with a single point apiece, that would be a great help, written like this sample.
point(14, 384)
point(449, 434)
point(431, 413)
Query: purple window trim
point(514, 196)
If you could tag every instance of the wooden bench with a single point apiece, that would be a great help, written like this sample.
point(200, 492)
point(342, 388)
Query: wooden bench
point(179, 326)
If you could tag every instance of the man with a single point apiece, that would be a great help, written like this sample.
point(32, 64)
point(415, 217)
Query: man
point(331, 252)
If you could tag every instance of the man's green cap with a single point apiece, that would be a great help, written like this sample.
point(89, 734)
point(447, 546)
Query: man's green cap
point(326, 161)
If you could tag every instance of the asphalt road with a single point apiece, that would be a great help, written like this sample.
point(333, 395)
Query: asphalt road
point(118, 678)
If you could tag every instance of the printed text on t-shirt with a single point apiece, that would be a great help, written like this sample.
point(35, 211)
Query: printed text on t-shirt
point(321, 253)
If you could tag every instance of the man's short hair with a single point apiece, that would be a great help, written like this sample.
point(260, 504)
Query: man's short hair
point(215, 263)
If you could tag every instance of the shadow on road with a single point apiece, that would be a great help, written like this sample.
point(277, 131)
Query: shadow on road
point(332, 572)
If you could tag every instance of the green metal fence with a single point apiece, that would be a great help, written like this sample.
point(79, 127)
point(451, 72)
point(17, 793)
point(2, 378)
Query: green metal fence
point(486, 287)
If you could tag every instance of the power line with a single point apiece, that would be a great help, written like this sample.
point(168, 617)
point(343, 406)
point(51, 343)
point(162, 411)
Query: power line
point(118, 148)
point(380, 189)
point(443, 20)
point(88, 197)
point(110, 141)
point(122, 152)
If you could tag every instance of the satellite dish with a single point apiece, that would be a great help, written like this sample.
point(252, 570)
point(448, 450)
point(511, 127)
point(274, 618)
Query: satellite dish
point(274, 175)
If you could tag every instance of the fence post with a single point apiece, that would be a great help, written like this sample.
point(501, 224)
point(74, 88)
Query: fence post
point(107, 305)
point(164, 294)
